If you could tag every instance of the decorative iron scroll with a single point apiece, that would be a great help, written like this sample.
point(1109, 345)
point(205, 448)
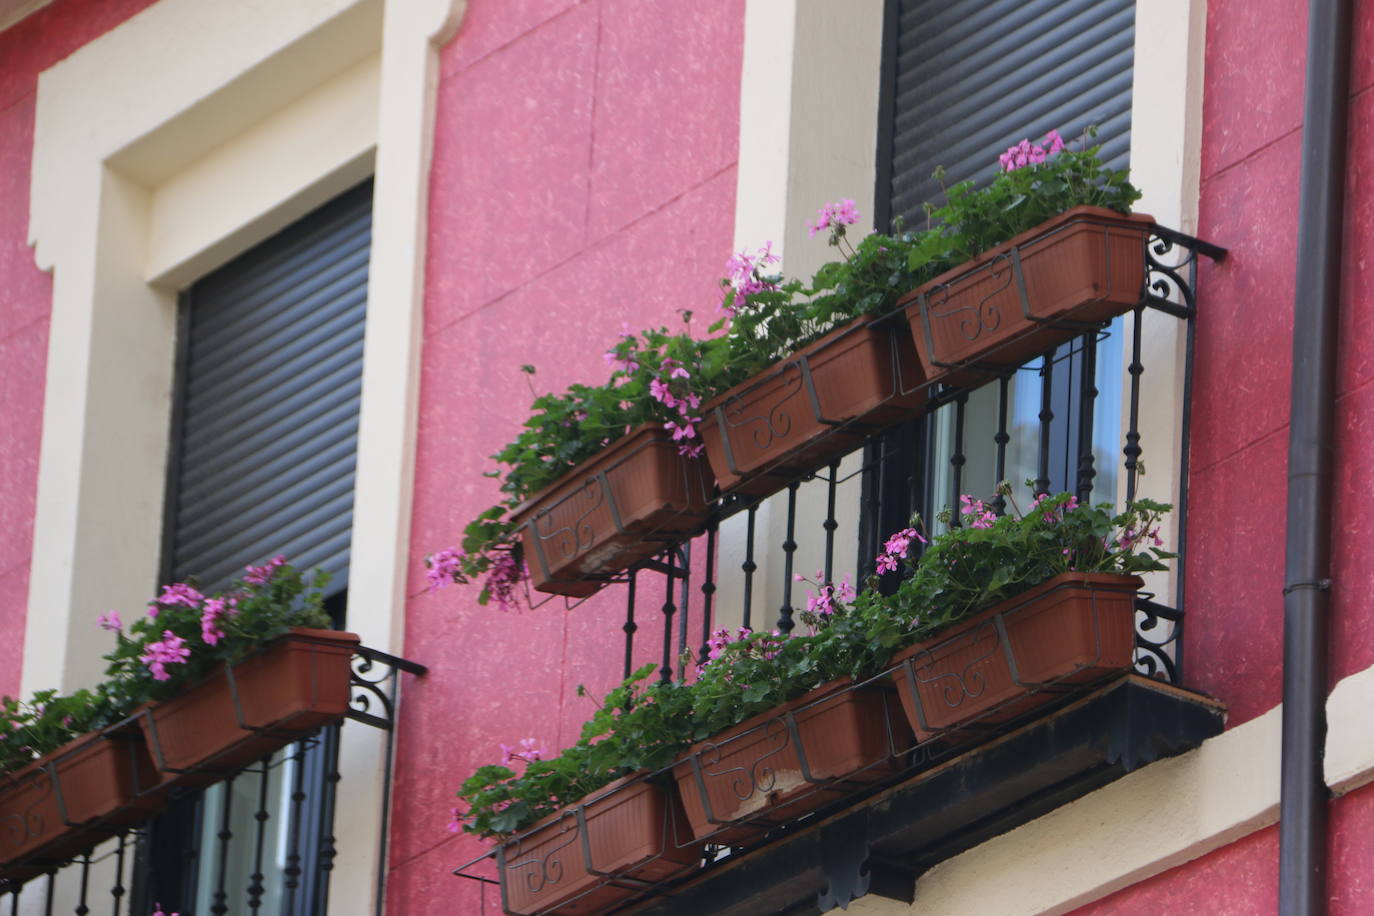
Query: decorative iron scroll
point(373, 681)
point(1158, 629)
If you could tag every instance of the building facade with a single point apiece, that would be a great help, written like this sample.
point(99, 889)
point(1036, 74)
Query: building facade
point(508, 184)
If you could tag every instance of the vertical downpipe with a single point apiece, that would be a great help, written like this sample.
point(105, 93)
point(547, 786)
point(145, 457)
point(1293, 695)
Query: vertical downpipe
point(1303, 798)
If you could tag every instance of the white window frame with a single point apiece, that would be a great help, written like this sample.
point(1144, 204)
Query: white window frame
point(162, 149)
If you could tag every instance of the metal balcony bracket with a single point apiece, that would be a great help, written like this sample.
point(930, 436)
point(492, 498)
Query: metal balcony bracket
point(1171, 264)
point(851, 869)
point(373, 684)
point(883, 842)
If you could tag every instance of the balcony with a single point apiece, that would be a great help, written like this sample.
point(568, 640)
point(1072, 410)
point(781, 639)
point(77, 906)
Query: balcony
point(1079, 418)
point(260, 839)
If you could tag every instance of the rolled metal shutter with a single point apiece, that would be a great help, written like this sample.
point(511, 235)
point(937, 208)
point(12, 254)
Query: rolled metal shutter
point(265, 438)
point(968, 78)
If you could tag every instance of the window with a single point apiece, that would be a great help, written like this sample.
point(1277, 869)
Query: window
point(262, 462)
point(961, 83)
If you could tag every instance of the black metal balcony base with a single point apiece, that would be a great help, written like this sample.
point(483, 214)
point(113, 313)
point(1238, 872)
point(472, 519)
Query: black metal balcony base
point(883, 843)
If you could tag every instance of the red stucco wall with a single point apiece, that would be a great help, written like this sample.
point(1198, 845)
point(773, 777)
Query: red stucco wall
point(1252, 117)
point(27, 49)
point(1251, 154)
point(1242, 879)
point(584, 175)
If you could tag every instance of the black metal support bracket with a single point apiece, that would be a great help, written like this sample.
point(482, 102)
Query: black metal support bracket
point(885, 841)
point(369, 686)
point(1171, 270)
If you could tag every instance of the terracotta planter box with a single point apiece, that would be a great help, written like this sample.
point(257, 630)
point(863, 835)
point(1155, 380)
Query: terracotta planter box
point(69, 800)
point(784, 422)
point(788, 762)
point(599, 852)
point(622, 506)
point(1026, 296)
point(235, 718)
point(1073, 629)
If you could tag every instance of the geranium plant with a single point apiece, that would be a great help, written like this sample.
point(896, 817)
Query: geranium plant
point(662, 377)
point(944, 578)
point(183, 636)
point(44, 723)
point(986, 559)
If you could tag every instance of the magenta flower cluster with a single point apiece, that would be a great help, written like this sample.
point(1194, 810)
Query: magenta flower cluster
point(834, 217)
point(898, 547)
point(527, 751)
point(443, 566)
point(670, 390)
point(977, 512)
point(503, 578)
point(745, 275)
point(1057, 514)
point(215, 610)
point(170, 650)
point(762, 645)
point(826, 601)
point(1026, 153)
point(261, 575)
point(174, 594)
point(504, 572)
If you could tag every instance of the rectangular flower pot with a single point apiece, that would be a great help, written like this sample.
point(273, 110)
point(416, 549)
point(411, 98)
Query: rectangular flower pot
point(67, 801)
point(1019, 654)
point(623, 505)
point(1028, 295)
point(812, 408)
point(597, 853)
point(790, 761)
point(239, 715)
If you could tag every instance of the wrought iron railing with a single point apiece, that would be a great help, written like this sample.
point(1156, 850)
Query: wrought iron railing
point(923, 466)
point(260, 840)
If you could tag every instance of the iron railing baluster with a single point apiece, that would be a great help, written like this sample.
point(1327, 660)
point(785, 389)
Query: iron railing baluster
point(630, 626)
point(999, 500)
point(789, 550)
point(708, 591)
point(292, 872)
point(1132, 450)
point(684, 606)
point(1046, 417)
point(221, 896)
point(1086, 404)
point(328, 800)
point(261, 816)
point(829, 525)
point(82, 908)
point(117, 892)
point(749, 567)
point(666, 675)
point(957, 459)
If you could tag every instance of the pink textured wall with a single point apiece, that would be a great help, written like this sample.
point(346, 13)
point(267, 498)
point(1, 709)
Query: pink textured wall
point(1242, 879)
point(584, 175)
point(1252, 118)
point(27, 49)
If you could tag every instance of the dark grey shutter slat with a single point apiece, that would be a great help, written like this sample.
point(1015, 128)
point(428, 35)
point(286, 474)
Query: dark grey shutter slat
point(972, 77)
point(270, 390)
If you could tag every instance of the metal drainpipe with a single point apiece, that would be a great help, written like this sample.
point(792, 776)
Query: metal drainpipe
point(1307, 588)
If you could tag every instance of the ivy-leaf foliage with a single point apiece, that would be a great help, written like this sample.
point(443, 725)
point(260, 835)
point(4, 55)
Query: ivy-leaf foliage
point(645, 726)
point(765, 319)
